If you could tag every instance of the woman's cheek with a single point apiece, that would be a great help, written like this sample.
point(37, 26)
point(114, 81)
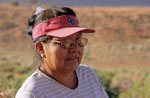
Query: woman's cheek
point(61, 55)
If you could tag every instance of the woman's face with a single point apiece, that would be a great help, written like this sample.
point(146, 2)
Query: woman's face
point(62, 59)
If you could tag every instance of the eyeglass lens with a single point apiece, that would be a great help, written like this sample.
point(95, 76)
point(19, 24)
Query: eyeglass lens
point(80, 42)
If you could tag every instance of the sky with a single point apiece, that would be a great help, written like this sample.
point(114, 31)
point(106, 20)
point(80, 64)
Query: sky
point(86, 2)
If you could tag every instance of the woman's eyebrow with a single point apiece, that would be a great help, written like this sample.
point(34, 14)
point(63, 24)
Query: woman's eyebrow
point(60, 39)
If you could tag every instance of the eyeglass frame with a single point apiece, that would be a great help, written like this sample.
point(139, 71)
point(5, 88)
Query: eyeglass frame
point(71, 43)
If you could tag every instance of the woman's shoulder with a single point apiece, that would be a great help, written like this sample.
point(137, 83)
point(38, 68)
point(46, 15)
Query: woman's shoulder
point(83, 67)
point(33, 79)
point(85, 70)
point(88, 76)
point(33, 85)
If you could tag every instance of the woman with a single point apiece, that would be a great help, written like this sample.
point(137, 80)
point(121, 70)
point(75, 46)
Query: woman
point(59, 43)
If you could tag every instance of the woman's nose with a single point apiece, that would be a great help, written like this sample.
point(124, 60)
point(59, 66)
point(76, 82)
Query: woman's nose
point(74, 47)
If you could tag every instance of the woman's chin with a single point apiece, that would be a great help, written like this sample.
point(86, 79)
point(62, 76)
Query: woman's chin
point(72, 65)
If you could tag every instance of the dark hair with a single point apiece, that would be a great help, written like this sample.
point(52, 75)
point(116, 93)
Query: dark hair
point(47, 14)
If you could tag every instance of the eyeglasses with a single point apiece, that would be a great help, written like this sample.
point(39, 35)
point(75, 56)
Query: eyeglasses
point(81, 42)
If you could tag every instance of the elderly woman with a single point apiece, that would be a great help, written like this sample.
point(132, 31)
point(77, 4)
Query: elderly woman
point(58, 41)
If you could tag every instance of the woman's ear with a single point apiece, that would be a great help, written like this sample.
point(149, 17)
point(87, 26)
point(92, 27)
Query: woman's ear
point(39, 48)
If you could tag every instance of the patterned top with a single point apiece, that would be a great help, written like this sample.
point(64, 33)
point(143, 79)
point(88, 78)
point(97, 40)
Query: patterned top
point(38, 85)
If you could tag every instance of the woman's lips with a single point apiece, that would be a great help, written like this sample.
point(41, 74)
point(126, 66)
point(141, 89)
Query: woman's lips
point(72, 59)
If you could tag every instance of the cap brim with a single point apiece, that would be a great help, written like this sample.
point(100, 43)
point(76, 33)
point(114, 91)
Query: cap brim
point(64, 32)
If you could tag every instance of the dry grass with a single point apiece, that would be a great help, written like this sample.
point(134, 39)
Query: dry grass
point(122, 33)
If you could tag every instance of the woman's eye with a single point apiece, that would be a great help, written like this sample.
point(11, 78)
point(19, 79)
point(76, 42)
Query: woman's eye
point(78, 38)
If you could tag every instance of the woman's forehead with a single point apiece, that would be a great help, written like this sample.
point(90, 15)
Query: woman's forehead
point(68, 37)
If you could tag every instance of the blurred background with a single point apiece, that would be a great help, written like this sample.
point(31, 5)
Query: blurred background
point(119, 51)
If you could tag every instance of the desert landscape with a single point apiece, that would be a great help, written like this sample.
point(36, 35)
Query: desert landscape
point(119, 51)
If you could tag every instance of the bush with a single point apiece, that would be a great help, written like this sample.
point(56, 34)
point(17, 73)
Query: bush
point(147, 88)
point(126, 82)
point(12, 76)
point(5, 25)
point(136, 91)
point(23, 70)
point(15, 3)
point(106, 78)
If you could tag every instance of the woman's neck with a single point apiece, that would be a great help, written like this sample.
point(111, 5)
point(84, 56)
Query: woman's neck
point(68, 79)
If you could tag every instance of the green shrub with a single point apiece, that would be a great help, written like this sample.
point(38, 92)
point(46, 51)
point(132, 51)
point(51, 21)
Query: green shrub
point(23, 70)
point(147, 16)
point(5, 25)
point(12, 76)
point(106, 78)
point(140, 88)
point(15, 3)
point(92, 25)
point(7, 68)
point(147, 88)
point(13, 83)
point(107, 15)
point(113, 80)
point(130, 21)
point(136, 91)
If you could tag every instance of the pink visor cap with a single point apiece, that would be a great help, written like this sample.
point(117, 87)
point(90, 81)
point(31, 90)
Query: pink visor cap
point(61, 26)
